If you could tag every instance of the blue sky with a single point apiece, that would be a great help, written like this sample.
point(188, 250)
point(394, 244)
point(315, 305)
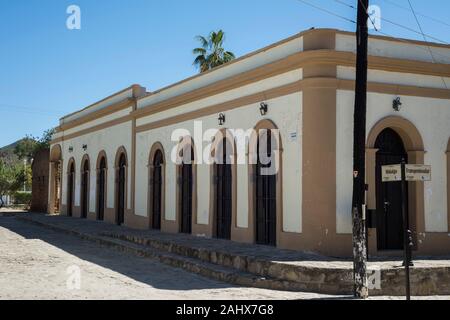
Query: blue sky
point(47, 71)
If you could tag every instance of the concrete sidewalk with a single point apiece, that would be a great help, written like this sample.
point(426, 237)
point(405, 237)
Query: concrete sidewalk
point(253, 265)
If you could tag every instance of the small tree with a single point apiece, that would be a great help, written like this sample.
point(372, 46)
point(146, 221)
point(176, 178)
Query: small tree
point(26, 147)
point(12, 178)
point(29, 146)
point(44, 141)
point(211, 54)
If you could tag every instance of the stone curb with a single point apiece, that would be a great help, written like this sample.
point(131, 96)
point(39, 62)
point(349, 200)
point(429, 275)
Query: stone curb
point(251, 272)
point(314, 278)
point(213, 271)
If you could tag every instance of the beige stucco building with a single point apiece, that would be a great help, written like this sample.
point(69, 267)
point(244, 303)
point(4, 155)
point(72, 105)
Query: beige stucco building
point(115, 156)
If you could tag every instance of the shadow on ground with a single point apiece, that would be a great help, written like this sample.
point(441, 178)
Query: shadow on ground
point(143, 270)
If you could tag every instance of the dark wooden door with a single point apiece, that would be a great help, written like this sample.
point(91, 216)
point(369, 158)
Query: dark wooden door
point(121, 185)
point(389, 207)
point(157, 190)
point(223, 192)
point(70, 190)
point(266, 197)
point(101, 196)
point(85, 190)
point(186, 185)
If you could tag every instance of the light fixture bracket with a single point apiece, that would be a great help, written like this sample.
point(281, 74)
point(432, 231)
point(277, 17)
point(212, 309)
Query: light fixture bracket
point(263, 108)
point(397, 104)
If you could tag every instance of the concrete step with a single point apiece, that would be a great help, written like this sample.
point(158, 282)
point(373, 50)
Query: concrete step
point(193, 263)
point(255, 266)
point(213, 271)
point(293, 276)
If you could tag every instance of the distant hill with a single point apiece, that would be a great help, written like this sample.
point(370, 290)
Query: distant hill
point(7, 153)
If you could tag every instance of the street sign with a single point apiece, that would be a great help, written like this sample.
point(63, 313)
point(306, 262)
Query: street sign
point(417, 172)
point(391, 173)
point(413, 172)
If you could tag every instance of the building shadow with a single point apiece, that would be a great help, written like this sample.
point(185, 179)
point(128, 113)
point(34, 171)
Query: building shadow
point(144, 270)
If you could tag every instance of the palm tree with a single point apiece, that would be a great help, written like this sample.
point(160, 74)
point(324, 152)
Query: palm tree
point(211, 54)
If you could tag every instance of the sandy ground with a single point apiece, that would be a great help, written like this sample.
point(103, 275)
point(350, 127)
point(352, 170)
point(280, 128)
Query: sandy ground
point(34, 263)
point(37, 263)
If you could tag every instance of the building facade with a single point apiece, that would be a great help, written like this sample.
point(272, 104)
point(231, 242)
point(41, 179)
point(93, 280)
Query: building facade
point(126, 159)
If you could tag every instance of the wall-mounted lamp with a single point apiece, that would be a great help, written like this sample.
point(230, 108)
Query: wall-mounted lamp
point(84, 147)
point(263, 108)
point(397, 104)
point(221, 119)
point(70, 149)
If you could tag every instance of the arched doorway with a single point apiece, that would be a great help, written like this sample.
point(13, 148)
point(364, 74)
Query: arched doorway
point(85, 188)
point(186, 185)
point(223, 189)
point(266, 189)
point(391, 150)
point(101, 189)
point(70, 188)
point(156, 188)
point(121, 185)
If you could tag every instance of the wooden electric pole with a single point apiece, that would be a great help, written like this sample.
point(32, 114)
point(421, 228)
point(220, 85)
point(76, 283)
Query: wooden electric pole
point(359, 156)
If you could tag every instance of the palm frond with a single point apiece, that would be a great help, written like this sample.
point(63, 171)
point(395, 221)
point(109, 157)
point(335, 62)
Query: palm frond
point(198, 51)
point(199, 61)
point(228, 56)
point(212, 53)
point(203, 41)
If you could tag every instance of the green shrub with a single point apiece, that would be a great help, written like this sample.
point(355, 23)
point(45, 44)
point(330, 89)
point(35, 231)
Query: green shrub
point(21, 197)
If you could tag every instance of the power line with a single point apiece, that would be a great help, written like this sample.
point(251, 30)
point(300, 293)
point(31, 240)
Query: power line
point(347, 4)
point(425, 38)
point(380, 32)
point(420, 27)
point(428, 49)
point(393, 23)
point(327, 11)
point(423, 35)
point(418, 13)
point(353, 7)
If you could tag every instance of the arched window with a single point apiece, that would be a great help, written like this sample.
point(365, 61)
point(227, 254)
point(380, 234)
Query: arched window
point(265, 159)
point(85, 188)
point(101, 186)
point(156, 189)
point(70, 187)
point(186, 185)
point(223, 186)
point(121, 185)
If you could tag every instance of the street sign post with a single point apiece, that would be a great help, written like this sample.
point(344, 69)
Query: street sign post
point(413, 172)
point(404, 173)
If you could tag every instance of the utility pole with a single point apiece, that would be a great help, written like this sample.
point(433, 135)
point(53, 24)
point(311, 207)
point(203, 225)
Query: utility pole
point(359, 156)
